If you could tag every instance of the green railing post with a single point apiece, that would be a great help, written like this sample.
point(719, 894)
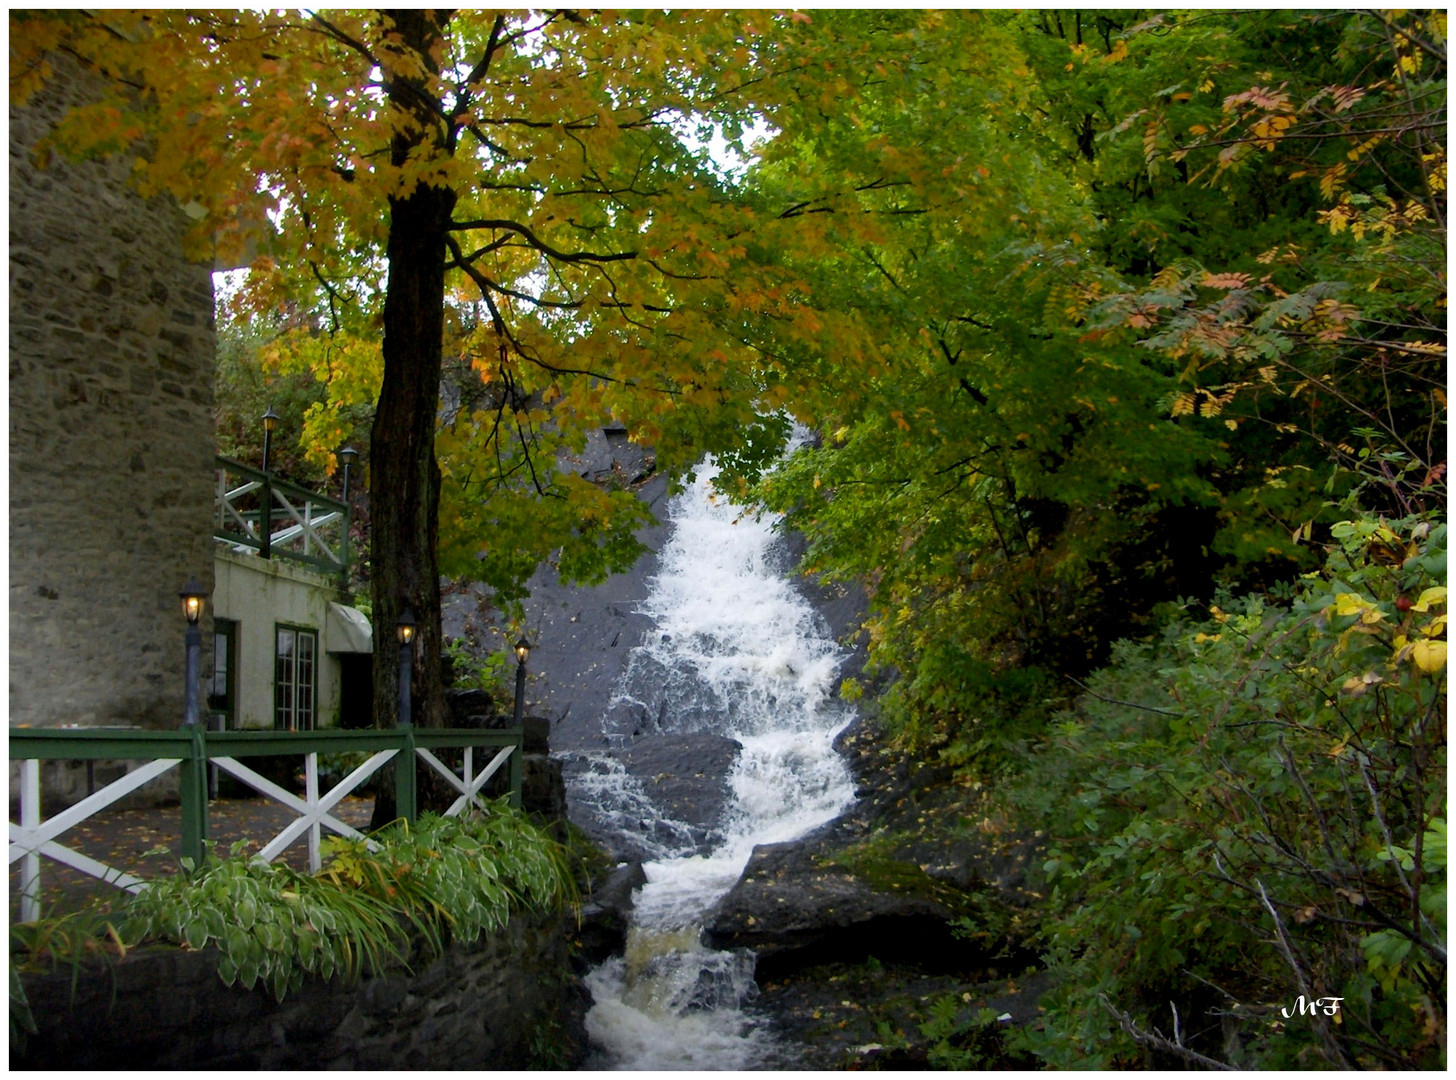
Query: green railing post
point(404, 776)
point(193, 782)
point(517, 767)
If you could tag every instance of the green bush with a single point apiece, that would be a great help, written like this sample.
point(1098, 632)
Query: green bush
point(1251, 810)
point(490, 672)
point(438, 880)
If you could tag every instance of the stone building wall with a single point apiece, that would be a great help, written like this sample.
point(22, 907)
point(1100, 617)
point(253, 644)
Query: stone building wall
point(111, 435)
point(510, 1001)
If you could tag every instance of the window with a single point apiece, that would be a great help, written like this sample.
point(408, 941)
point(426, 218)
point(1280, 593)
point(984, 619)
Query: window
point(293, 678)
point(222, 695)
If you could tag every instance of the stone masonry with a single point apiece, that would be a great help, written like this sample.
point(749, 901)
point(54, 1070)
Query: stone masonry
point(510, 1001)
point(111, 435)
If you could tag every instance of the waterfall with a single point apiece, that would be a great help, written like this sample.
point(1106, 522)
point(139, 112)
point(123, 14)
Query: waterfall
point(736, 653)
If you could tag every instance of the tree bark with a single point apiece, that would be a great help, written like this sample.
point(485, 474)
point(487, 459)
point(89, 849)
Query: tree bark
point(404, 480)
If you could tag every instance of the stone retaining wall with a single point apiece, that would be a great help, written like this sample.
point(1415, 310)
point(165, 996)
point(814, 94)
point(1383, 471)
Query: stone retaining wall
point(508, 1002)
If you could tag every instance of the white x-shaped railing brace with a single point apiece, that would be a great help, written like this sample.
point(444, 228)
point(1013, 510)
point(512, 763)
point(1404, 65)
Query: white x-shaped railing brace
point(313, 811)
point(34, 837)
point(468, 787)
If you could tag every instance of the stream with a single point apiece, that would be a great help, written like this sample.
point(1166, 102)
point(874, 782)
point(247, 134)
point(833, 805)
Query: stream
point(735, 653)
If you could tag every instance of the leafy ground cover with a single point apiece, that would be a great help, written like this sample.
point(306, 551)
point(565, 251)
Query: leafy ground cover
point(440, 880)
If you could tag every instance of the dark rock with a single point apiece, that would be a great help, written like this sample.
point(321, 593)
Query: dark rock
point(468, 708)
point(794, 910)
point(509, 1000)
point(685, 775)
point(536, 734)
point(543, 792)
point(606, 914)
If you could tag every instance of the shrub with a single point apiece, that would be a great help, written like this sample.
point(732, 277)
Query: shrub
point(1251, 810)
point(441, 879)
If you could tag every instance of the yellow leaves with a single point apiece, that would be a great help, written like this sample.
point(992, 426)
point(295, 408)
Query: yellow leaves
point(1435, 170)
point(1431, 596)
point(1200, 639)
point(1352, 604)
point(1119, 52)
point(1429, 656)
point(1270, 129)
point(899, 418)
point(1357, 152)
point(1332, 180)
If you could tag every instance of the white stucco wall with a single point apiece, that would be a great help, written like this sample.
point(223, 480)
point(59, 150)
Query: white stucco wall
point(258, 594)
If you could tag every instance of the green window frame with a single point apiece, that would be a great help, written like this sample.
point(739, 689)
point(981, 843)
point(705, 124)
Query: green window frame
point(295, 677)
point(222, 695)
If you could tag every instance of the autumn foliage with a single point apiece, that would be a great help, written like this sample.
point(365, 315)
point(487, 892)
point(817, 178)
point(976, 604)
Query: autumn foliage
point(1122, 339)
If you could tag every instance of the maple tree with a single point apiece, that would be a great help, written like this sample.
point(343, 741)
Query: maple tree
point(536, 170)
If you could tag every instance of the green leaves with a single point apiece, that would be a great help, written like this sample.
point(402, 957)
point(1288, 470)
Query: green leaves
point(455, 877)
point(1280, 773)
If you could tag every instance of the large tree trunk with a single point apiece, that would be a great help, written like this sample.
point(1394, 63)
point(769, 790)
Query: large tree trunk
point(404, 480)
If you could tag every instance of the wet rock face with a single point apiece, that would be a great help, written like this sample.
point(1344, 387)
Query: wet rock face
point(686, 776)
point(885, 879)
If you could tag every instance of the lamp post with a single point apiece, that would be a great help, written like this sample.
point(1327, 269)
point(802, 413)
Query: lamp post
point(193, 781)
point(270, 421)
point(523, 651)
point(265, 514)
point(347, 456)
point(193, 600)
point(405, 629)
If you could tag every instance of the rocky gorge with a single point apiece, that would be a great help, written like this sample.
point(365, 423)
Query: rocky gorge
point(854, 928)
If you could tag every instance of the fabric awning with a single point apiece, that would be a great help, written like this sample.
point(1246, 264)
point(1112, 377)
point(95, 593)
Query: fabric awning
point(348, 631)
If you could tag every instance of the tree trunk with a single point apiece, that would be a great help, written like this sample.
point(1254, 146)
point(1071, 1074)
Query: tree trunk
point(404, 479)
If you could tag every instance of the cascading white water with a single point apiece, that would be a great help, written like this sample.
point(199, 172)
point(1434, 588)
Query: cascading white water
point(736, 652)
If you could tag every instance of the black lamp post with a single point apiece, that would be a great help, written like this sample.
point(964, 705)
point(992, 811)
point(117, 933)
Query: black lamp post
point(405, 629)
point(265, 512)
point(523, 651)
point(270, 421)
point(347, 456)
point(193, 601)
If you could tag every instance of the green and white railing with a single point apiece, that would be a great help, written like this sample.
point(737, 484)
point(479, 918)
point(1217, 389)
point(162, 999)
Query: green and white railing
point(191, 750)
point(258, 511)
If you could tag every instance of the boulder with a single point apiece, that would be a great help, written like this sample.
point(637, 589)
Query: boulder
point(605, 914)
point(469, 708)
point(794, 909)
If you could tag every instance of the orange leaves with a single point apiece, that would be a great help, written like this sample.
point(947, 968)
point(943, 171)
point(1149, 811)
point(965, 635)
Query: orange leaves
point(1260, 98)
point(1224, 281)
